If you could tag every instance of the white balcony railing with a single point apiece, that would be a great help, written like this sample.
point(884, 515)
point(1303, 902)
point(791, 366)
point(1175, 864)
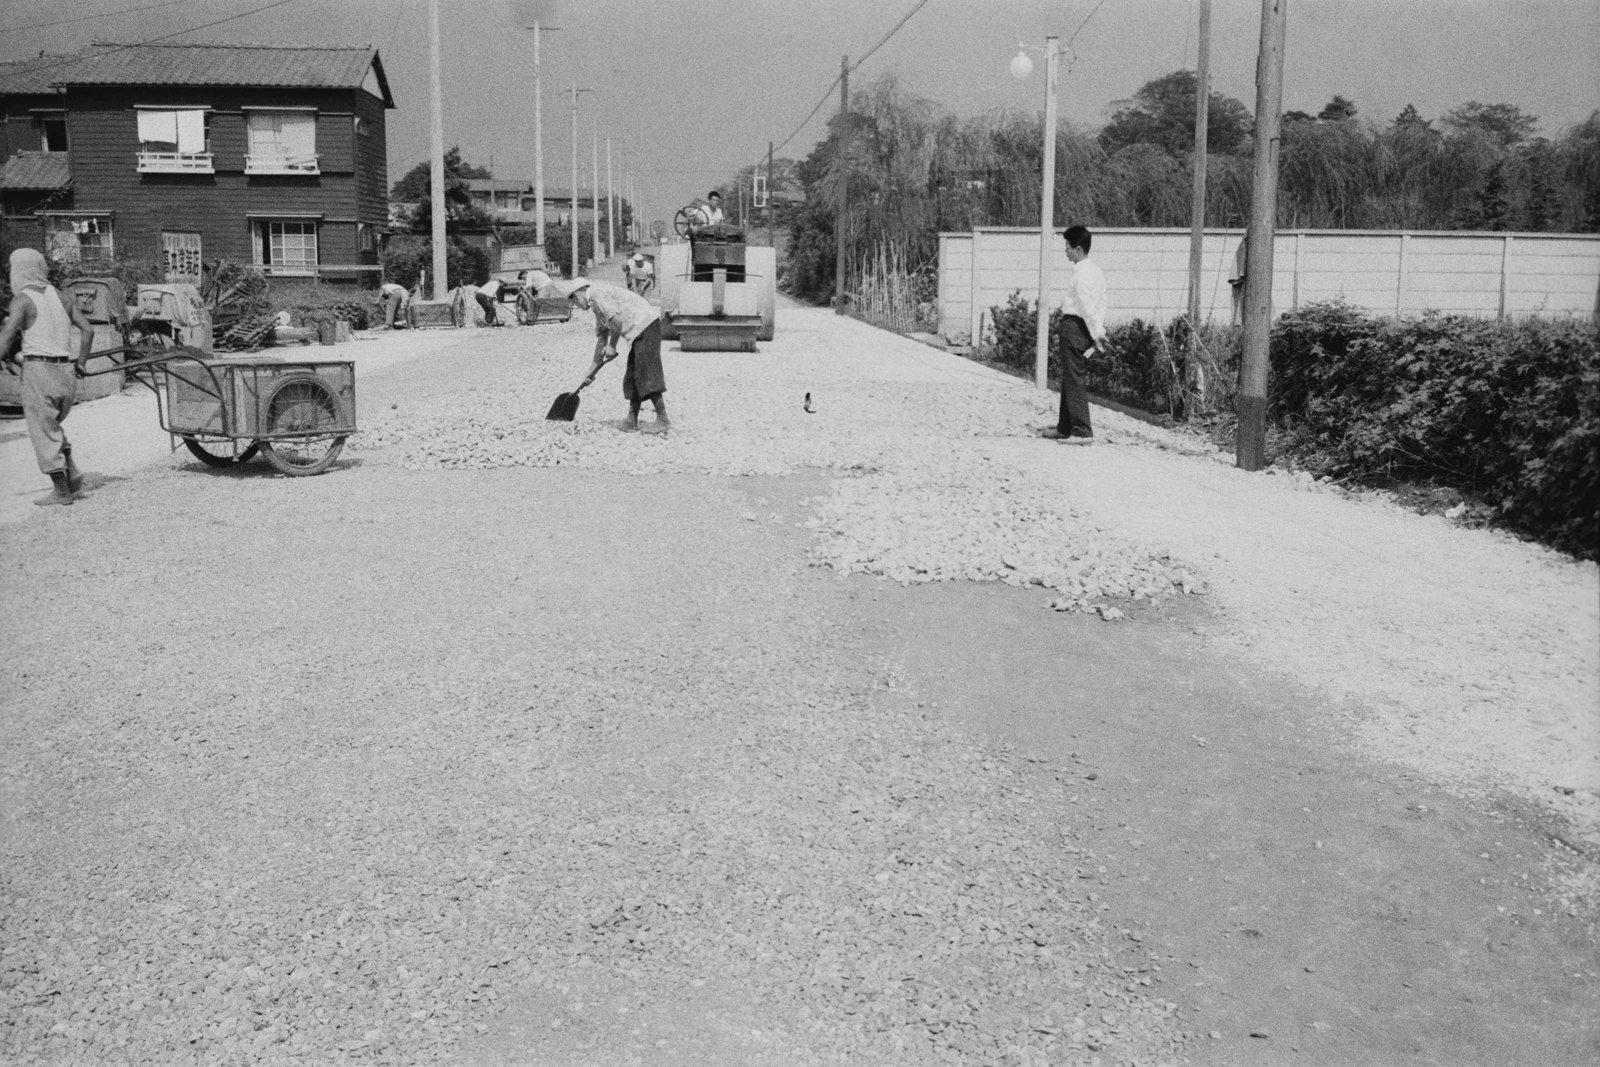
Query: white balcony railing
point(284, 164)
point(175, 163)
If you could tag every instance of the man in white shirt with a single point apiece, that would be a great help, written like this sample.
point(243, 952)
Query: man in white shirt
point(711, 210)
point(641, 275)
point(1083, 331)
point(395, 299)
point(621, 315)
point(488, 297)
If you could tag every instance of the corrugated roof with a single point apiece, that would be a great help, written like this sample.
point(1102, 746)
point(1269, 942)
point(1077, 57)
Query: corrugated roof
point(26, 77)
point(36, 170)
point(273, 66)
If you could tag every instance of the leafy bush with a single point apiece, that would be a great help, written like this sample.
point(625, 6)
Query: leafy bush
point(1141, 366)
point(558, 247)
point(312, 303)
point(407, 257)
point(1506, 411)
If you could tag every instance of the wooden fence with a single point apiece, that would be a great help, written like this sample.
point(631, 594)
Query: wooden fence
point(1388, 272)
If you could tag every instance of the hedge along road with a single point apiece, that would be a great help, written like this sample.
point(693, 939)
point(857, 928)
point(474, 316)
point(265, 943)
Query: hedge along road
point(441, 756)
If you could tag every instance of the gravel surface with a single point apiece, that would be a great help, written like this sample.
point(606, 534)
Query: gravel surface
point(483, 726)
point(353, 768)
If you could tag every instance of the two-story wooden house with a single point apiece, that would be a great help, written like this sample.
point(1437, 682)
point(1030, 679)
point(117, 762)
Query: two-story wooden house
point(184, 153)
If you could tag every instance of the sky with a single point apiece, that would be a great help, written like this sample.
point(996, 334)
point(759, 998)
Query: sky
point(689, 91)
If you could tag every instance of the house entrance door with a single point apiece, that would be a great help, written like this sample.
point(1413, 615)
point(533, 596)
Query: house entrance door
point(182, 252)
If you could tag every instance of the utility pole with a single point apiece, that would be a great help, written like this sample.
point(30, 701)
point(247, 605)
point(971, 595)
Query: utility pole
point(1197, 213)
point(594, 185)
point(772, 238)
point(538, 135)
point(844, 185)
point(1047, 211)
point(574, 91)
point(436, 178)
point(1252, 444)
point(611, 206)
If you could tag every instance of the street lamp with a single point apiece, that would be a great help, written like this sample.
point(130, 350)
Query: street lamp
point(1021, 67)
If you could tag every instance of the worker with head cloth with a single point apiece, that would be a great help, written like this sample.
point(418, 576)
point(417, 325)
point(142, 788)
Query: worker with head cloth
point(45, 320)
point(621, 316)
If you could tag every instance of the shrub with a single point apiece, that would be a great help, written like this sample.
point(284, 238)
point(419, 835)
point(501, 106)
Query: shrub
point(1141, 366)
point(558, 247)
point(407, 257)
point(1506, 411)
point(312, 303)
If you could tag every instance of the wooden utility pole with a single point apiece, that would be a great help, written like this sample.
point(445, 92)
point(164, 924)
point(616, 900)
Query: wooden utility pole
point(574, 227)
point(1047, 211)
point(436, 150)
point(772, 238)
point(844, 182)
point(594, 186)
point(1197, 213)
point(1253, 371)
point(611, 206)
point(538, 134)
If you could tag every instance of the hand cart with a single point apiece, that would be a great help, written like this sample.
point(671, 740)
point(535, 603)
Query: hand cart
point(295, 413)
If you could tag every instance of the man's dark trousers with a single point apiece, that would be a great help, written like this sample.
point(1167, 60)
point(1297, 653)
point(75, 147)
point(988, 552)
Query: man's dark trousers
point(1072, 341)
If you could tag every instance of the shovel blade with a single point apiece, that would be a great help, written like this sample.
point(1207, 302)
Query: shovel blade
point(565, 408)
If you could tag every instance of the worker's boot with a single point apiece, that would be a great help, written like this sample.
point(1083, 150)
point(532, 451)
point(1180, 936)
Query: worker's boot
point(60, 494)
point(74, 475)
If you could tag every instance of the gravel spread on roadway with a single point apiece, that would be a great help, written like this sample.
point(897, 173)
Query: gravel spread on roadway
point(353, 768)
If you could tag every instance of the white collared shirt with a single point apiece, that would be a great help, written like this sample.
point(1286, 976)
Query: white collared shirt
point(1086, 297)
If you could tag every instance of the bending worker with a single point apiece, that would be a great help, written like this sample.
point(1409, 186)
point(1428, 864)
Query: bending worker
point(488, 296)
point(395, 299)
point(623, 316)
point(49, 370)
point(641, 275)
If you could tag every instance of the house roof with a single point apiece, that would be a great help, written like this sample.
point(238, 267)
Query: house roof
point(274, 66)
point(28, 77)
point(499, 185)
point(36, 170)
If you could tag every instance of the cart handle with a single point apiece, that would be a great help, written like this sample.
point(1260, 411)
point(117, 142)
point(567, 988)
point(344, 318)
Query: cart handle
point(179, 352)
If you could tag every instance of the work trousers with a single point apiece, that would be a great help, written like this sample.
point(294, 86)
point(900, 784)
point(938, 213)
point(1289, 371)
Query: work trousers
point(48, 390)
point(1072, 342)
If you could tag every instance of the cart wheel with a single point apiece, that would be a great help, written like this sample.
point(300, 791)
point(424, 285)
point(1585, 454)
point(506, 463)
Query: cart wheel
point(218, 451)
point(527, 308)
point(302, 404)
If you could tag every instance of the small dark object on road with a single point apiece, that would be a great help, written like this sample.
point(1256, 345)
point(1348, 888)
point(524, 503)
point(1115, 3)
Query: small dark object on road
point(808, 408)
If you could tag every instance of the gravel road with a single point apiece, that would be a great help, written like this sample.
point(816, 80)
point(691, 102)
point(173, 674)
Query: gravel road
point(508, 741)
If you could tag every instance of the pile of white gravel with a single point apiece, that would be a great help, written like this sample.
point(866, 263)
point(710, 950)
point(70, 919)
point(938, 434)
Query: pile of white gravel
point(928, 504)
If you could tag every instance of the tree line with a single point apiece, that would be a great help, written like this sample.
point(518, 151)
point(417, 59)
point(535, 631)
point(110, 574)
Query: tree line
point(914, 170)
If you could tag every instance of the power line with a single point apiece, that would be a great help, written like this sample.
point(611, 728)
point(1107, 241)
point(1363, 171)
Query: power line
point(102, 15)
point(904, 19)
point(828, 93)
point(164, 37)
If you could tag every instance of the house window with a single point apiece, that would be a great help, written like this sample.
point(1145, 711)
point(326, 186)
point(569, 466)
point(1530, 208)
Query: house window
point(368, 236)
point(52, 131)
point(182, 251)
point(78, 238)
point(363, 127)
point(282, 142)
point(173, 141)
point(287, 247)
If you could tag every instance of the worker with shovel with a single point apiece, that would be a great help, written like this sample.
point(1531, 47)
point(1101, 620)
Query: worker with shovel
point(619, 316)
